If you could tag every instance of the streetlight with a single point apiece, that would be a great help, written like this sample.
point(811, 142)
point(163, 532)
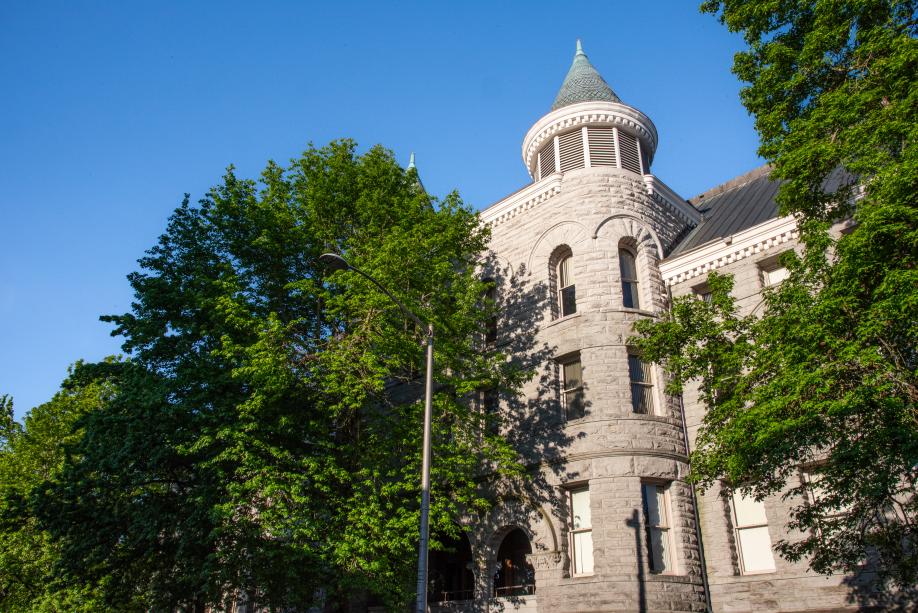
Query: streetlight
point(335, 262)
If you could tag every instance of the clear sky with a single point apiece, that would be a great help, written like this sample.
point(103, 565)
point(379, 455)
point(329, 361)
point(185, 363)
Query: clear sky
point(111, 111)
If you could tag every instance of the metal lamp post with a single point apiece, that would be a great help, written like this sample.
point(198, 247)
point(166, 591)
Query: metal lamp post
point(336, 262)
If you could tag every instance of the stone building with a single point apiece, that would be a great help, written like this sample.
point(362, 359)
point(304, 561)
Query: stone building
point(593, 244)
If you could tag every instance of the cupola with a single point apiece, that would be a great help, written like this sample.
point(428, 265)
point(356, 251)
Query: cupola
point(589, 126)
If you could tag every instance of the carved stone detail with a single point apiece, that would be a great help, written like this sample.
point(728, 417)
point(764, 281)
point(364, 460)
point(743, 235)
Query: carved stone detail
point(545, 561)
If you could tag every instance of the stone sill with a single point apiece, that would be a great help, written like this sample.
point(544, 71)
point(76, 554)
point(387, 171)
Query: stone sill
point(561, 320)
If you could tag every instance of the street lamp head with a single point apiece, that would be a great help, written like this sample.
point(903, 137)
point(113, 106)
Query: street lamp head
point(334, 262)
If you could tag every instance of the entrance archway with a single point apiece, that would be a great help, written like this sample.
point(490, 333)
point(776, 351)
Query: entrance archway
point(449, 572)
point(515, 575)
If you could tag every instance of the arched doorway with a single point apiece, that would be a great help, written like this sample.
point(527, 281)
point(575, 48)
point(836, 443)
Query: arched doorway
point(449, 571)
point(515, 576)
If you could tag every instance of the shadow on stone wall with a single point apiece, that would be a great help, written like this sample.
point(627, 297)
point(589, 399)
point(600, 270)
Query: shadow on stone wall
point(532, 423)
point(635, 524)
point(865, 591)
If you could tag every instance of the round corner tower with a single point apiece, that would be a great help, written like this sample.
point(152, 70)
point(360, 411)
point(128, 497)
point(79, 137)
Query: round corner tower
point(576, 257)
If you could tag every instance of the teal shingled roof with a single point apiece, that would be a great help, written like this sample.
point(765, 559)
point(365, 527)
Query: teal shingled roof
point(583, 83)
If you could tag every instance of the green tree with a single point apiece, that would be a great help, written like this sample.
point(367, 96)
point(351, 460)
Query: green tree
point(32, 454)
point(826, 376)
point(265, 439)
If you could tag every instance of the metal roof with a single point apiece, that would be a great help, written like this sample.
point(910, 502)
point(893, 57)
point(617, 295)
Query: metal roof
point(742, 203)
point(735, 206)
point(583, 83)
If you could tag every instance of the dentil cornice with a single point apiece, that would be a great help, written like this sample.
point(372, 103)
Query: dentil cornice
point(723, 251)
point(522, 200)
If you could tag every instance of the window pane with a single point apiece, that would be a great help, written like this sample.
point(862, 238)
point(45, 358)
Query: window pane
point(491, 323)
point(565, 272)
point(638, 369)
point(775, 275)
point(755, 545)
point(748, 511)
point(568, 300)
point(659, 550)
point(572, 375)
point(583, 552)
point(641, 389)
point(818, 494)
point(491, 330)
point(641, 398)
point(626, 265)
point(573, 404)
point(628, 269)
point(630, 295)
point(580, 509)
point(653, 500)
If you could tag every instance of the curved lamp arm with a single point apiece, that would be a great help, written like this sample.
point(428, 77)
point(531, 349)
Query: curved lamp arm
point(335, 262)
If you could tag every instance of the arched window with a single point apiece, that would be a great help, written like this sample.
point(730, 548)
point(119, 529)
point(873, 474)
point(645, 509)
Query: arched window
point(567, 293)
point(515, 576)
point(450, 576)
point(627, 265)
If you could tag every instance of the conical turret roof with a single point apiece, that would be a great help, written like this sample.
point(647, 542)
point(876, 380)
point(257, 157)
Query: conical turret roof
point(583, 83)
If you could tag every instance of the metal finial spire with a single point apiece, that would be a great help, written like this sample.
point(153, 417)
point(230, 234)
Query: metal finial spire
point(583, 83)
point(411, 161)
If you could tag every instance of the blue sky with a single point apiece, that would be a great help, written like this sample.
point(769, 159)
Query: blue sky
point(110, 112)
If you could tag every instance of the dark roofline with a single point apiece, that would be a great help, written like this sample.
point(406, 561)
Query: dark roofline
point(735, 182)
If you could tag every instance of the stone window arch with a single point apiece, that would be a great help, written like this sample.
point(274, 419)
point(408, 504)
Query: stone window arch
point(562, 282)
point(514, 575)
point(629, 273)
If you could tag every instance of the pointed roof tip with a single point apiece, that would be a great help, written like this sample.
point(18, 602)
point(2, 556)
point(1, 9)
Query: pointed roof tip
point(417, 177)
point(583, 83)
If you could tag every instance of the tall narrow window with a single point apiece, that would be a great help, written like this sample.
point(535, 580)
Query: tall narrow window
point(628, 268)
point(656, 517)
point(752, 537)
point(641, 385)
point(567, 296)
point(490, 410)
point(572, 382)
point(490, 296)
point(581, 532)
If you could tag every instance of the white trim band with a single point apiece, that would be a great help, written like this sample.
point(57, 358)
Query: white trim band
point(721, 252)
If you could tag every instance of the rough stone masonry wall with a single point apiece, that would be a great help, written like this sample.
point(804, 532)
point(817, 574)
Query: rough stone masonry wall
point(611, 449)
point(791, 587)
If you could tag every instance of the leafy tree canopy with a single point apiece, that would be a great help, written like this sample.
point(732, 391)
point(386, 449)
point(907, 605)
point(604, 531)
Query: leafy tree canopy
point(824, 375)
point(265, 438)
point(32, 454)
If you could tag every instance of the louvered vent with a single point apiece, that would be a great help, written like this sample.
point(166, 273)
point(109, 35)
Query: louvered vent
point(570, 146)
point(629, 152)
point(547, 159)
point(602, 146)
